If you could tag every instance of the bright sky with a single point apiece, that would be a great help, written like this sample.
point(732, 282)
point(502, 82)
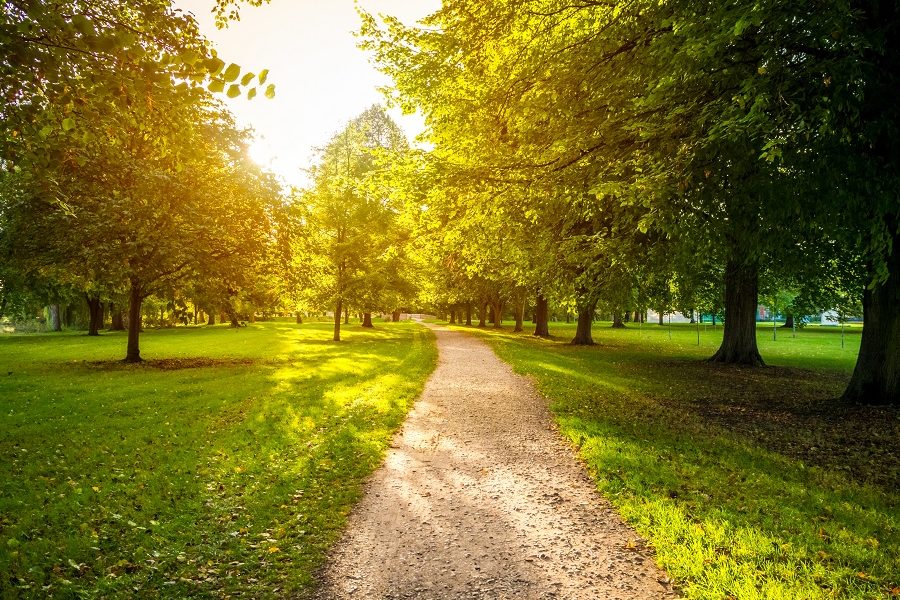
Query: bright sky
point(322, 79)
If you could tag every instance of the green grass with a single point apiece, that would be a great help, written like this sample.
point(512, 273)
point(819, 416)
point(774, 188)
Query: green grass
point(229, 475)
point(749, 484)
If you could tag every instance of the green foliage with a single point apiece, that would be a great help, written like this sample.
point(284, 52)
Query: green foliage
point(225, 467)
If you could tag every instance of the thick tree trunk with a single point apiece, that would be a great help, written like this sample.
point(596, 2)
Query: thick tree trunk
point(626, 318)
point(660, 315)
point(453, 317)
point(788, 321)
point(337, 322)
point(395, 316)
point(617, 321)
point(741, 298)
point(541, 317)
point(367, 320)
point(876, 378)
point(299, 318)
point(346, 317)
point(117, 319)
point(135, 299)
point(520, 317)
point(95, 312)
point(211, 318)
point(585, 320)
point(482, 315)
point(233, 317)
point(55, 323)
point(468, 314)
point(498, 314)
point(568, 317)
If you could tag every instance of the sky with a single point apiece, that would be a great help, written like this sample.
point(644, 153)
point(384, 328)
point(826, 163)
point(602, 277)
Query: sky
point(322, 79)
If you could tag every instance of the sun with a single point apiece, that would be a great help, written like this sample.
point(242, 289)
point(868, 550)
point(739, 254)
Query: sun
point(260, 152)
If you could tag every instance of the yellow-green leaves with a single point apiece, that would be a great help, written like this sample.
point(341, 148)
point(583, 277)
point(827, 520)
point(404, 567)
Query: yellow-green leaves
point(231, 73)
point(270, 91)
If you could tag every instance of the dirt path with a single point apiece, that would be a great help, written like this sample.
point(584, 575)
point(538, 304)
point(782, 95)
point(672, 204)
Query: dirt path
point(479, 497)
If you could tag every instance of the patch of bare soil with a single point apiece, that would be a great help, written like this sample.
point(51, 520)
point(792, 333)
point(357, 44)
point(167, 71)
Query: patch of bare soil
point(480, 497)
point(171, 364)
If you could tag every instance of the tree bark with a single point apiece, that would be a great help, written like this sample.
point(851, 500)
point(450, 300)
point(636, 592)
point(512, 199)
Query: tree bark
point(498, 314)
point(741, 300)
point(299, 318)
point(660, 314)
point(117, 320)
point(468, 314)
point(395, 316)
point(55, 323)
point(617, 321)
point(453, 317)
point(637, 317)
point(346, 317)
point(367, 320)
point(542, 317)
point(788, 321)
point(876, 378)
point(626, 318)
point(483, 314)
point(211, 318)
point(337, 322)
point(95, 312)
point(135, 299)
point(520, 316)
point(585, 320)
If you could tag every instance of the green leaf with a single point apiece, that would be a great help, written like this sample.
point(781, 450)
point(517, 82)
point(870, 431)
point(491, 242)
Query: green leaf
point(214, 66)
point(232, 72)
point(68, 124)
point(263, 75)
point(46, 130)
point(216, 86)
point(251, 94)
point(246, 79)
point(83, 25)
point(270, 91)
point(234, 90)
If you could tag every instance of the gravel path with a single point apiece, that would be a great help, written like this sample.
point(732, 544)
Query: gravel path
point(480, 497)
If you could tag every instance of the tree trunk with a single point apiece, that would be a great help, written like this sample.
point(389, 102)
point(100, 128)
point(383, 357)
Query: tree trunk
point(211, 318)
point(520, 316)
point(876, 378)
point(660, 314)
point(585, 320)
point(541, 317)
point(626, 318)
point(468, 314)
point(453, 317)
point(346, 317)
point(568, 317)
point(55, 323)
point(395, 316)
point(483, 314)
point(788, 321)
point(233, 317)
point(617, 321)
point(337, 322)
point(299, 318)
point(117, 320)
point(95, 312)
point(498, 314)
point(135, 298)
point(367, 320)
point(637, 317)
point(741, 299)
point(693, 320)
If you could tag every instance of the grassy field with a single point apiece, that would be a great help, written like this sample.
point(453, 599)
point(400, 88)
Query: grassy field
point(224, 466)
point(749, 484)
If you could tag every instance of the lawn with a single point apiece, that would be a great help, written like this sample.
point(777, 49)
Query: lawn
point(225, 466)
point(749, 484)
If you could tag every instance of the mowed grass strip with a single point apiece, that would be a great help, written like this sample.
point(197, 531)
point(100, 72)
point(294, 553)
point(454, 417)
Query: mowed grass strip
point(750, 484)
point(225, 466)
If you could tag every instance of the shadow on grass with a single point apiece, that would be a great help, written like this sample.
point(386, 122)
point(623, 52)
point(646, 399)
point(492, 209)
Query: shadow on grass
point(231, 479)
point(749, 483)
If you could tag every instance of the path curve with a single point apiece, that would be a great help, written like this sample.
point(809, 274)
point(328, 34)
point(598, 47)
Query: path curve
point(479, 497)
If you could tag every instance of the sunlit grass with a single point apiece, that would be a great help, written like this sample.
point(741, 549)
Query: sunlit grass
point(183, 479)
point(749, 484)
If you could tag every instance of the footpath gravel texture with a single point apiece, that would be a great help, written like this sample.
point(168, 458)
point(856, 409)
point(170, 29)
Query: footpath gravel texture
point(480, 497)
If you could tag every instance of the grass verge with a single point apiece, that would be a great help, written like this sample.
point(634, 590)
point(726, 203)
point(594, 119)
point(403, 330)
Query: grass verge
point(749, 484)
point(225, 467)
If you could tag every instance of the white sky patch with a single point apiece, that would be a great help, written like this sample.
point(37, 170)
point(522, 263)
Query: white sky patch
point(322, 79)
